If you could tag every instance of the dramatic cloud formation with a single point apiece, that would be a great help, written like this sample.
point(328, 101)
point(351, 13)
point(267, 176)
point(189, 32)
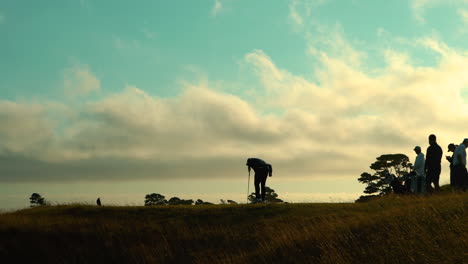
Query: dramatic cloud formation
point(330, 123)
point(331, 127)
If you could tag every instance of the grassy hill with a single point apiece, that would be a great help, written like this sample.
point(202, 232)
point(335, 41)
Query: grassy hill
point(394, 229)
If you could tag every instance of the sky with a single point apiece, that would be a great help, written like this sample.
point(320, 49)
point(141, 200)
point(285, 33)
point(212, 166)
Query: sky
point(118, 99)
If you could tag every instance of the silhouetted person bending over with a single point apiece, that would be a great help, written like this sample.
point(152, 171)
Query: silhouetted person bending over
point(262, 170)
point(432, 166)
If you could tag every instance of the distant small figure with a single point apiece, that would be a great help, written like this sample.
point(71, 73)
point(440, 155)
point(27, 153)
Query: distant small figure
point(459, 166)
point(432, 166)
point(98, 201)
point(451, 148)
point(262, 171)
point(418, 181)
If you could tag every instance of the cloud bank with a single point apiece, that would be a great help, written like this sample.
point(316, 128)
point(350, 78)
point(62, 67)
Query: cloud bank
point(330, 124)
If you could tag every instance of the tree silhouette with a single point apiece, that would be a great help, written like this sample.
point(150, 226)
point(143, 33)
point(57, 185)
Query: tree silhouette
point(270, 196)
point(186, 202)
point(385, 167)
point(155, 199)
point(36, 200)
point(174, 201)
point(178, 201)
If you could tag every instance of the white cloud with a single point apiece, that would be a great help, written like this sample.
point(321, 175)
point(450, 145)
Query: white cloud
point(301, 12)
point(464, 15)
point(416, 101)
point(79, 80)
point(294, 14)
point(24, 127)
point(217, 8)
point(323, 39)
point(333, 42)
point(419, 7)
point(332, 127)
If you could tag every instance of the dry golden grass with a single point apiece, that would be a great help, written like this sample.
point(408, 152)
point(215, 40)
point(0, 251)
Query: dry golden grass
point(394, 229)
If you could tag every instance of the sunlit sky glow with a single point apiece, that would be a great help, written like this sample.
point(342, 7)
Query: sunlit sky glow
point(118, 99)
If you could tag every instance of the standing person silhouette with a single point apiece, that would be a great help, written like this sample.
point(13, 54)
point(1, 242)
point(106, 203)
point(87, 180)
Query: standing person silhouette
point(419, 181)
point(432, 166)
point(451, 148)
point(262, 171)
point(459, 166)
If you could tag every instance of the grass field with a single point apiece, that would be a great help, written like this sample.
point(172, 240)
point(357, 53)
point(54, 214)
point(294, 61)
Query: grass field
point(393, 229)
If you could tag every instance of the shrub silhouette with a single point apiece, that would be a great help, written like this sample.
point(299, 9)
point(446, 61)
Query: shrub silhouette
point(201, 202)
point(270, 196)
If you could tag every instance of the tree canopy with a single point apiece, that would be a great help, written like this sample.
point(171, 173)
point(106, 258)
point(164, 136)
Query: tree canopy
point(178, 201)
point(384, 168)
point(155, 199)
point(36, 200)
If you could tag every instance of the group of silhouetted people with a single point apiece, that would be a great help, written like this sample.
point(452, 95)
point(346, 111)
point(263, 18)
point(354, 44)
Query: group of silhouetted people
point(426, 172)
point(424, 177)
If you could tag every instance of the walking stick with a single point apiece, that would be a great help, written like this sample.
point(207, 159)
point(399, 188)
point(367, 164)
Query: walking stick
point(248, 187)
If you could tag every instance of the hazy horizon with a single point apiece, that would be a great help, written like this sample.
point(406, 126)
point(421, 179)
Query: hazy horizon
point(116, 100)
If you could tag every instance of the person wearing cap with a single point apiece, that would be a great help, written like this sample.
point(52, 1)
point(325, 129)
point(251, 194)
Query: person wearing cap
point(451, 148)
point(459, 165)
point(418, 183)
point(432, 166)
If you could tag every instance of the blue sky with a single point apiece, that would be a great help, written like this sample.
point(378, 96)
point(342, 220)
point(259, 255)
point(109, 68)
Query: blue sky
point(150, 45)
point(167, 89)
point(155, 43)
